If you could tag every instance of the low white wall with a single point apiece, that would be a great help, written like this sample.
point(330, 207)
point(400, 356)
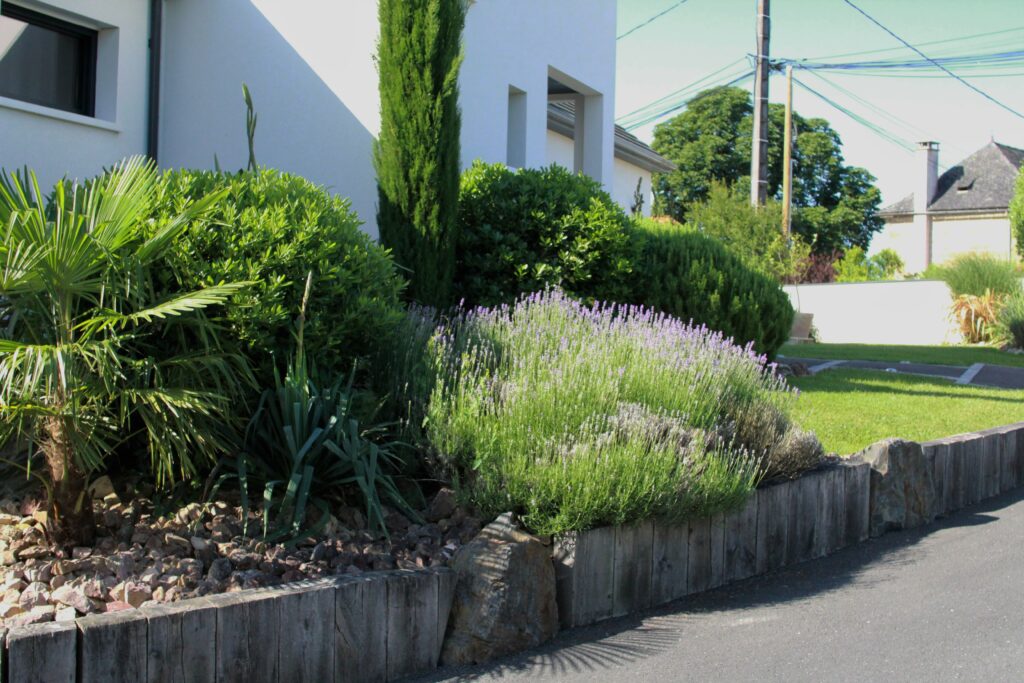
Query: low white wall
point(900, 312)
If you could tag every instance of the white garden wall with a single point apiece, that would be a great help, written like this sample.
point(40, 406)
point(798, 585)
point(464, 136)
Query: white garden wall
point(901, 312)
point(56, 143)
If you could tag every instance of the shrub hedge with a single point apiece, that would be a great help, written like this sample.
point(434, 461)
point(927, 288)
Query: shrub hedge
point(272, 229)
point(521, 231)
point(694, 277)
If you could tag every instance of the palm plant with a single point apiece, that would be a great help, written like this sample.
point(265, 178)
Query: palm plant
point(82, 372)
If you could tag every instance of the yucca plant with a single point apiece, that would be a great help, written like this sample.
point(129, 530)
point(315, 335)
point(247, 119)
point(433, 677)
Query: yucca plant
point(82, 372)
point(305, 447)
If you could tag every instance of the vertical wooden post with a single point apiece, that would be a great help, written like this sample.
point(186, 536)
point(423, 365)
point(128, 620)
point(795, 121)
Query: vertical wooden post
point(787, 158)
point(759, 143)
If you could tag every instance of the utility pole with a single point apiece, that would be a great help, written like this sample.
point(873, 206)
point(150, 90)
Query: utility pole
point(787, 158)
point(759, 143)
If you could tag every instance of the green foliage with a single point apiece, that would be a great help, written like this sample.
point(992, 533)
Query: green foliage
point(856, 266)
point(521, 231)
point(1017, 213)
point(417, 153)
point(694, 277)
point(1009, 324)
point(304, 447)
point(576, 416)
point(273, 228)
point(83, 363)
point(836, 205)
point(977, 274)
point(755, 235)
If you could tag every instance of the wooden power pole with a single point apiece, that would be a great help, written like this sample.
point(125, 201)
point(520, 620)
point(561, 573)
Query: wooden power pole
point(759, 148)
point(787, 158)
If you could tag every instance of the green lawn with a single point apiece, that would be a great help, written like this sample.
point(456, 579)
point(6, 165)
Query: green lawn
point(938, 355)
point(851, 409)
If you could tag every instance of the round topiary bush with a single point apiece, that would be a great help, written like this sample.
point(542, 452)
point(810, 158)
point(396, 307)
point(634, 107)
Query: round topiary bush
point(524, 230)
point(272, 229)
point(695, 277)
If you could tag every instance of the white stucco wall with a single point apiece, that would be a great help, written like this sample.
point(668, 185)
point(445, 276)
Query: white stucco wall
point(989, 235)
point(56, 143)
point(309, 66)
point(560, 150)
point(949, 238)
point(901, 312)
point(624, 185)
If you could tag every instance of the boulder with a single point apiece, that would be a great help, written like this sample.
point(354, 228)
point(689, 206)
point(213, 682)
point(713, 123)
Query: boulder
point(902, 485)
point(504, 597)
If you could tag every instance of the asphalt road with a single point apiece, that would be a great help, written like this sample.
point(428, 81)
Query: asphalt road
point(943, 603)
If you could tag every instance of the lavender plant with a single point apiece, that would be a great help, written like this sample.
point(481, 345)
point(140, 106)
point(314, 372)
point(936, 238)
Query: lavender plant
point(580, 415)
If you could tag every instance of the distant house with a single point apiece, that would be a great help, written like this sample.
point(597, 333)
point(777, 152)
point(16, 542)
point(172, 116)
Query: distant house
point(964, 209)
point(84, 83)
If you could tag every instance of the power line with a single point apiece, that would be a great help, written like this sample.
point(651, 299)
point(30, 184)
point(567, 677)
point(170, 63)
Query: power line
point(930, 42)
point(875, 128)
point(651, 105)
point(657, 16)
point(969, 85)
point(681, 105)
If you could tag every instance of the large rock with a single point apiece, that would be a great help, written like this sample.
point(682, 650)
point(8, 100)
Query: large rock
point(505, 595)
point(902, 485)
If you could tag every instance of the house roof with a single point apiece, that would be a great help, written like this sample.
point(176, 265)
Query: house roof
point(628, 147)
point(982, 182)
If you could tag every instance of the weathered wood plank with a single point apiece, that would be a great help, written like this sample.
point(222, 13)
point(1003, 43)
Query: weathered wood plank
point(857, 481)
point(741, 542)
point(823, 519)
point(942, 470)
point(958, 483)
point(446, 581)
point(593, 576)
point(306, 646)
point(412, 623)
point(1009, 460)
point(803, 506)
point(670, 562)
point(973, 469)
point(777, 529)
point(181, 642)
point(993, 458)
point(836, 536)
point(717, 540)
point(634, 548)
point(112, 647)
point(698, 575)
point(361, 630)
point(1019, 442)
point(248, 636)
point(42, 652)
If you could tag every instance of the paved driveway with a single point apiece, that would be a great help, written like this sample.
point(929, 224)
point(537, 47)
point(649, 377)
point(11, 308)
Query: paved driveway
point(946, 603)
point(980, 374)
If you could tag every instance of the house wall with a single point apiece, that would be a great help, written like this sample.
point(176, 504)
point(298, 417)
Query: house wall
point(57, 143)
point(560, 150)
point(315, 89)
point(624, 185)
point(949, 237)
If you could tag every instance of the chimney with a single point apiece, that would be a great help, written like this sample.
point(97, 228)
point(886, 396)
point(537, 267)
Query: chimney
point(928, 175)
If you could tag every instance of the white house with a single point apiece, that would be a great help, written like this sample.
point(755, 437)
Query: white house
point(964, 209)
point(84, 83)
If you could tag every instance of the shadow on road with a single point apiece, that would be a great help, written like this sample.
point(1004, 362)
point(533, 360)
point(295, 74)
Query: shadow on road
point(620, 642)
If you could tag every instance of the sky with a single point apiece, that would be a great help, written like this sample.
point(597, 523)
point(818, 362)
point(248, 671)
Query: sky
point(700, 37)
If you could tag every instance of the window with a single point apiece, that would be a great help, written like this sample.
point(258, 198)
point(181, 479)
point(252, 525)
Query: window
point(47, 61)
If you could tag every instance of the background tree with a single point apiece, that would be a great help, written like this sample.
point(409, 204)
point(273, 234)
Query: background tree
point(836, 204)
point(417, 153)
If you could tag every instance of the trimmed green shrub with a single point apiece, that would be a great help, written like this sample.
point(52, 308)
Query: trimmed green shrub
point(417, 153)
point(694, 277)
point(273, 229)
point(522, 231)
point(977, 273)
point(1009, 324)
point(575, 415)
point(857, 266)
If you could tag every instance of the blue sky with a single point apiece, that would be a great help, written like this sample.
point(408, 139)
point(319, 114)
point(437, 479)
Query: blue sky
point(702, 36)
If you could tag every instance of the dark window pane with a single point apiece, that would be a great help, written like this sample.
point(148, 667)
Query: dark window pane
point(46, 62)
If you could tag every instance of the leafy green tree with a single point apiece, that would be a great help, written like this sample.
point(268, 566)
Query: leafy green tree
point(1017, 213)
point(836, 205)
point(417, 153)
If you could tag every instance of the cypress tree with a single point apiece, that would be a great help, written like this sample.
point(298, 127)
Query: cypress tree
point(417, 153)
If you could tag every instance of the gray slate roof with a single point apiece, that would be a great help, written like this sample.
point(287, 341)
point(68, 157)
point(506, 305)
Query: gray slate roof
point(982, 182)
point(628, 147)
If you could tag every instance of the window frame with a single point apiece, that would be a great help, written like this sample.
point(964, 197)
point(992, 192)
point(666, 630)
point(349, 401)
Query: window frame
point(89, 38)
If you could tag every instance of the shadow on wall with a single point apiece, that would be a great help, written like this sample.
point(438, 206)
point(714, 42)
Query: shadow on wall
point(618, 643)
point(306, 125)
